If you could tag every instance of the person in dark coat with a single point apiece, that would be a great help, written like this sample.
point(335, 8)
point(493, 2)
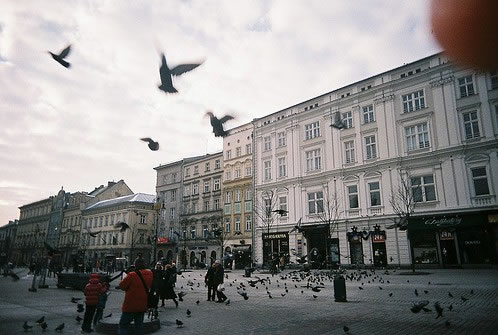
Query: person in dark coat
point(219, 275)
point(210, 282)
point(167, 287)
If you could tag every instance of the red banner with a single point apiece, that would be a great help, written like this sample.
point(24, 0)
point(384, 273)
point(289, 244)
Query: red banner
point(162, 240)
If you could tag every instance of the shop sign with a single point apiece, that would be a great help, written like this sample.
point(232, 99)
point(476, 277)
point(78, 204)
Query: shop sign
point(162, 240)
point(378, 238)
point(446, 235)
point(475, 242)
point(275, 235)
point(442, 222)
point(493, 218)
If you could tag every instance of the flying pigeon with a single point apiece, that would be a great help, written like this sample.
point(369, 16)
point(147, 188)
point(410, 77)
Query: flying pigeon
point(108, 315)
point(154, 146)
point(217, 124)
point(60, 57)
point(165, 72)
point(280, 212)
point(296, 227)
point(338, 121)
point(122, 226)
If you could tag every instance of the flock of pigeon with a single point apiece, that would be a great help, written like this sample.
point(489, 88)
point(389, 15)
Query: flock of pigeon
point(166, 75)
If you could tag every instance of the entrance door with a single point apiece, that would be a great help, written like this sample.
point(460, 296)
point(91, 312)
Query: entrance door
point(356, 248)
point(380, 256)
point(317, 239)
point(448, 249)
point(169, 256)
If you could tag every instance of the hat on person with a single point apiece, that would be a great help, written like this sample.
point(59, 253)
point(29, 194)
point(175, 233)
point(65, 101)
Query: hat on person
point(217, 261)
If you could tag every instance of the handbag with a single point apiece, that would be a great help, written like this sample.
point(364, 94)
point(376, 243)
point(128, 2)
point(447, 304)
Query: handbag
point(152, 296)
point(220, 288)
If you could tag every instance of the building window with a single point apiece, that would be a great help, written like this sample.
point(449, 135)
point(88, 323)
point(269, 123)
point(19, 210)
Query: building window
point(192, 232)
point(466, 86)
point(217, 164)
point(173, 177)
point(207, 167)
point(353, 196)
point(217, 184)
point(374, 190)
point(227, 225)
point(313, 160)
point(237, 195)
point(101, 221)
point(281, 139)
point(266, 143)
point(248, 194)
point(471, 125)
point(413, 101)
point(228, 197)
point(205, 231)
point(227, 209)
point(347, 119)
point(423, 188)
point(236, 208)
point(315, 202)
point(172, 213)
point(228, 175)
point(248, 206)
point(187, 172)
point(312, 130)
point(186, 191)
point(248, 170)
point(196, 169)
point(480, 179)
point(173, 195)
point(229, 154)
point(238, 151)
point(143, 219)
point(248, 223)
point(237, 224)
point(493, 76)
point(417, 137)
point(267, 170)
point(368, 114)
point(194, 207)
point(349, 151)
point(206, 206)
point(237, 172)
point(248, 149)
point(206, 186)
point(371, 147)
point(195, 189)
point(281, 167)
point(165, 179)
point(216, 204)
point(283, 204)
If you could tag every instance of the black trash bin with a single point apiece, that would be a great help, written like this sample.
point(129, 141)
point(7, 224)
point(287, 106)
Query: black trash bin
point(340, 289)
point(247, 272)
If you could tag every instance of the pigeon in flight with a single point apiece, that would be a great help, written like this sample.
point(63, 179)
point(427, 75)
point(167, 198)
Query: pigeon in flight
point(280, 212)
point(296, 227)
point(165, 72)
point(217, 124)
point(60, 57)
point(338, 121)
point(122, 226)
point(108, 315)
point(59, 328)
point(154, 146)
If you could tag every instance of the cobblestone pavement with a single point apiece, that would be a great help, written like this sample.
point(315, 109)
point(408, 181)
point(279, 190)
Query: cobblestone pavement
point(368, 311)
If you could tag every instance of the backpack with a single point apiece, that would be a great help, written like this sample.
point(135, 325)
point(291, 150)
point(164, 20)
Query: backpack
point(152, 296)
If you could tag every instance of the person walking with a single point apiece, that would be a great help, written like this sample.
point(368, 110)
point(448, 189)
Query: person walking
point(104, 293)
point(92, 291)
point(210, 282)
point(219, 275)
point(168, 283)
point(136, 285)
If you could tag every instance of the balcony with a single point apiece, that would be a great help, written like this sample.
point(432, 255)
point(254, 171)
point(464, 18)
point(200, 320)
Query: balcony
point(483, 200)
point(375, 210)
point(353, 212)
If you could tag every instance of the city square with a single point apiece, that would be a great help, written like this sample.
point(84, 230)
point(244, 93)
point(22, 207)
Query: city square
point(368, 311)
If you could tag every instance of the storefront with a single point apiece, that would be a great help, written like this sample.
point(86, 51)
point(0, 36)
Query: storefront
point(274, 245)
point(317, 241)
point(242, 255)
point(454, 239)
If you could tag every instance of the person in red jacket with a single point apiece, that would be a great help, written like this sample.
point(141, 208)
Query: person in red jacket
point(92, 291)
point(136, 285)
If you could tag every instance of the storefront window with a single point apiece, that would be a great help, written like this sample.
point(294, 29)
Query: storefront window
point(424, 247)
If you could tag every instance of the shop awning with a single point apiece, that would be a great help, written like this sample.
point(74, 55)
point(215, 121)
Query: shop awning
point(241, 248)
point(449, 221)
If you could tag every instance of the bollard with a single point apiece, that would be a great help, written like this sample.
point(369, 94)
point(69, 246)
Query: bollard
point(340, 289)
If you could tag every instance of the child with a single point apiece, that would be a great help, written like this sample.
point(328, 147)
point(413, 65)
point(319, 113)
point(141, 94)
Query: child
point(104, 293)
point(92, 291)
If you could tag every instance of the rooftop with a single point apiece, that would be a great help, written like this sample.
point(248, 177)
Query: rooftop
point(137, 197)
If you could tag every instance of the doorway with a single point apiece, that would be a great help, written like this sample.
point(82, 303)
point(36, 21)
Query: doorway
point(356, 249)
point(448, 248)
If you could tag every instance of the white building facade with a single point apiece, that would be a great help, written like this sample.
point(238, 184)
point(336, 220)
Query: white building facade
point(427, 123)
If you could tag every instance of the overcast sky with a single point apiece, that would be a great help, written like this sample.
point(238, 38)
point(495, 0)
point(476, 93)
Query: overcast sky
point(80, 127)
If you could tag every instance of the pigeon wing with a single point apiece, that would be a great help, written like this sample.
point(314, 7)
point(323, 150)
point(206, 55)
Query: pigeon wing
point(226, 118)
point(65, 52)
point(146, 139)
point(182, 68)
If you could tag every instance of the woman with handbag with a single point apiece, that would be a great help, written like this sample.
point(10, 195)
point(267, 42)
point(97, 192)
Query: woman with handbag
point(168, 283)
point(219, 275)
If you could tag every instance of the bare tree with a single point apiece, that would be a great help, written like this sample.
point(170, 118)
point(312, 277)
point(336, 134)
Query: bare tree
point(266, 209)
point(403, 203)
point(330, 210)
